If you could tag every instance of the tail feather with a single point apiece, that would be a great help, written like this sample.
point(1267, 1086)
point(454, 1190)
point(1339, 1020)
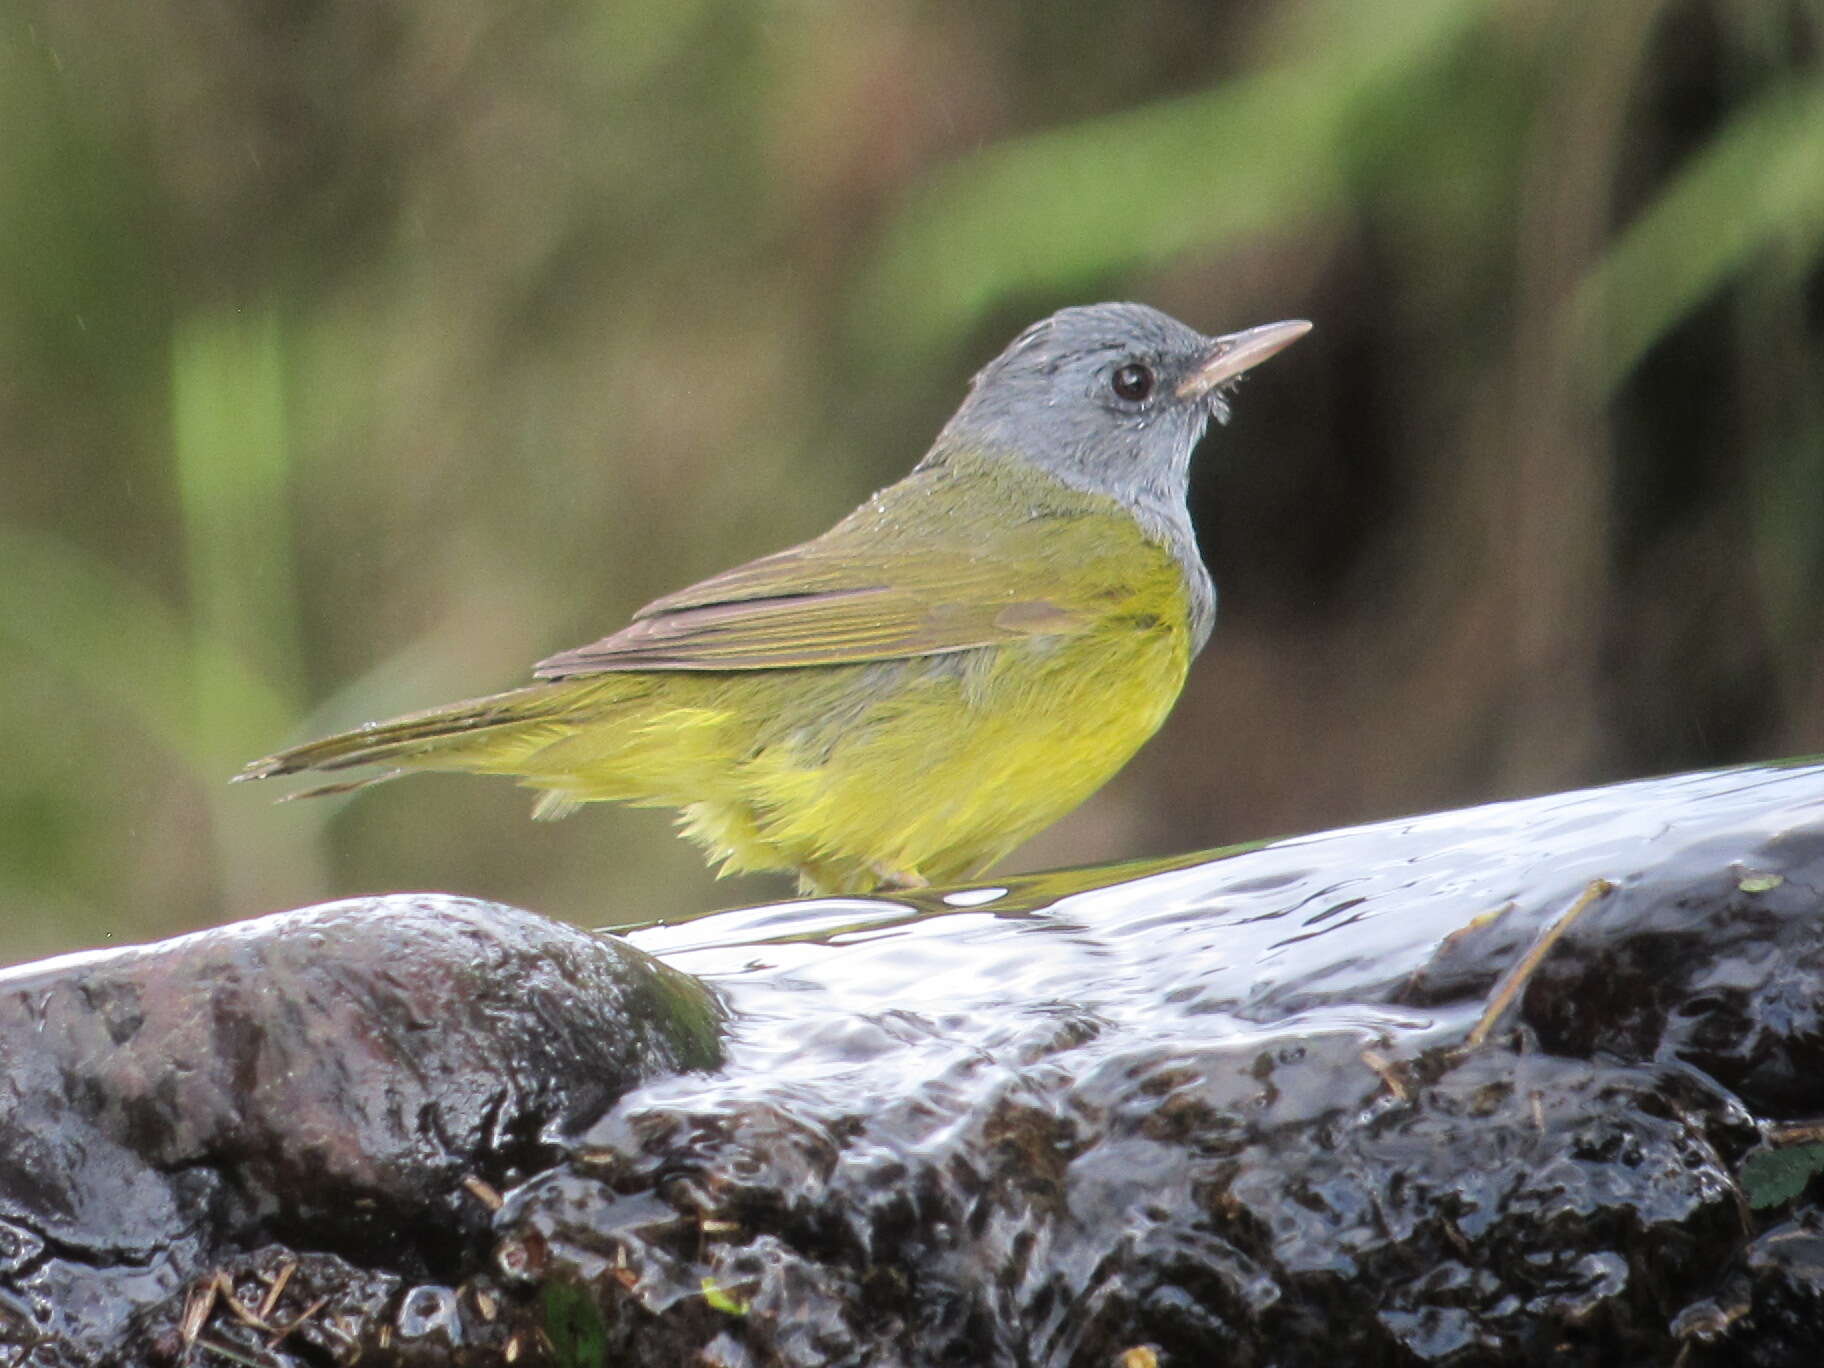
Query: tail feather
point(326, 790)
point(420, 736)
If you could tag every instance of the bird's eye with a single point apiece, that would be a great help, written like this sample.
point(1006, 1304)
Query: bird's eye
point(1133, 382)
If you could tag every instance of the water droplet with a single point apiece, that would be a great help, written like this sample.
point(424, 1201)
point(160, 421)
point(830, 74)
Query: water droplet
point(974, 897)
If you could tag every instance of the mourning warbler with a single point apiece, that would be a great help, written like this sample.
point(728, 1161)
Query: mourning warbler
point(952, 667)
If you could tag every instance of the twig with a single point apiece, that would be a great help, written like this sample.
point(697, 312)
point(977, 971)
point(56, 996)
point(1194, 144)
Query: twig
point(245, 1314)
point(484, 1192)
point(280, 1335)
point(1514, 981)
point(1794, 1133)
point(1389, 1071)
point(199, 1304)
point(271, 1299)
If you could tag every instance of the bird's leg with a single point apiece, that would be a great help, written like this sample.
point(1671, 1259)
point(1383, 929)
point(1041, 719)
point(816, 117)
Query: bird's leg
point(898, 880)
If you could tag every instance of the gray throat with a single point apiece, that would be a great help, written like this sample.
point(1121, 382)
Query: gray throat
point(1170, 526)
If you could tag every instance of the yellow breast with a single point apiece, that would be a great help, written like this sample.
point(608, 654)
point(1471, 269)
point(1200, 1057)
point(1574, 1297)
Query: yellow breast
point(936, 767)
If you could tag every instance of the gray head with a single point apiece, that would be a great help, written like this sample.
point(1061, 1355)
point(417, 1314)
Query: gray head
point(1112, 398)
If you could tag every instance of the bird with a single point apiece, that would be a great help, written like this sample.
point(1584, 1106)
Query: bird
point(906, 698)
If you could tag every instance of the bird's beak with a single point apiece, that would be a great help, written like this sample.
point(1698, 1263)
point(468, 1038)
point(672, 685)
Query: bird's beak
point(1230, 355)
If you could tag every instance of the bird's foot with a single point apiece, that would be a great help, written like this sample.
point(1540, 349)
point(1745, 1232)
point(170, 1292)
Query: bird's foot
point(898, 880)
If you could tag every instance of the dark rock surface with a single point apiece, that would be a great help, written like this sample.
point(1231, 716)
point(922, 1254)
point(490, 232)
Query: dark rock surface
point(341, 1089)
point(1229, 1111)
point(1312, 1103)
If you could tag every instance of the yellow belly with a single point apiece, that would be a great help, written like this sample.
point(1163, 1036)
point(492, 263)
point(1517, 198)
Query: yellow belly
point(930, 768)
point(962, 761)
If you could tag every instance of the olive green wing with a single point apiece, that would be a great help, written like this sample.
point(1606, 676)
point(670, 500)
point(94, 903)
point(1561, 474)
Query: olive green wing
point(833, 604)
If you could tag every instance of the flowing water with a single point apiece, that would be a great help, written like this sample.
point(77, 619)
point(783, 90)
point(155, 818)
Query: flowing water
point(1228, 1103)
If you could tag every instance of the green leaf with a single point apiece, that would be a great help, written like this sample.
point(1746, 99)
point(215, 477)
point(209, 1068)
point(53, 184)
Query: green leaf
point(232, 454)
point(574, 1326)
point(1759, 182)
point(722, 1301)
point(1059, 208)
point(1771, 1177)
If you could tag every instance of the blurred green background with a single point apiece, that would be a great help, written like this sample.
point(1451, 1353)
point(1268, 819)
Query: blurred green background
point(356, 354)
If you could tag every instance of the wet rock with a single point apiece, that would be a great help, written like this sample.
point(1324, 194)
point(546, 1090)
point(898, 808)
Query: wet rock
point(1268, 1109)
point(1539, 1081)
point(355, 1081)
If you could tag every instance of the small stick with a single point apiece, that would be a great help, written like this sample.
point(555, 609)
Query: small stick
point(244, 1313)
point(1514, 981)
point(1389, 1072)
point(279, 1335)
point(1795, 1133)
point(199, 1305)
point(273, 1293)
point(484, 1192)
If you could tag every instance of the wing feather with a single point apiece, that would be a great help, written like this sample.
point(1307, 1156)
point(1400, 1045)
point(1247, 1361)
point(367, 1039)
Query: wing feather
point(964, 553)
point(814, 605)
